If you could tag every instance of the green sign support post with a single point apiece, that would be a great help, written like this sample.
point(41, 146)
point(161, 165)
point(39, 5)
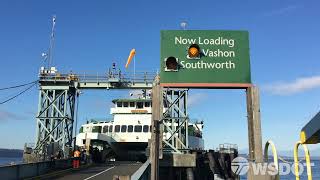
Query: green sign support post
point(205, 59)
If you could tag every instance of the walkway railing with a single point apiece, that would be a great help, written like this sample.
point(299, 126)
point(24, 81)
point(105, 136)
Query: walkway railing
point(30, 170)
point(275, 156)
point(146, 77)
point(296, 160)
point(143, 173)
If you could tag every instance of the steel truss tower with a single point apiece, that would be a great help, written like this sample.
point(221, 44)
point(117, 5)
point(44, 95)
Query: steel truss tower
point(175, 121)
point(58, 97)
point(55, 118)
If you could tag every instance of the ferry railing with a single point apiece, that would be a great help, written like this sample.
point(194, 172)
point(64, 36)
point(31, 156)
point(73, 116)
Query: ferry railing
point(296, 160)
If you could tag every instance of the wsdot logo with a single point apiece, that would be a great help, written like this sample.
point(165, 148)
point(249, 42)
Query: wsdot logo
point(240, 166)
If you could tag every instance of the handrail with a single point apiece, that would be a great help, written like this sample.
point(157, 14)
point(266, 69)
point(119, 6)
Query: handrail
point(141, 173)
point(124, 77)
point(32, 170)
point(296, 160)
point(275, 155)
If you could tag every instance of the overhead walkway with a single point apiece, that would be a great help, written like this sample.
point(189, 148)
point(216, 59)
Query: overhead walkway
point(111, 80)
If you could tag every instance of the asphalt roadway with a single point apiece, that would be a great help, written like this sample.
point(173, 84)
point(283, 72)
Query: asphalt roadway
point(101, 171)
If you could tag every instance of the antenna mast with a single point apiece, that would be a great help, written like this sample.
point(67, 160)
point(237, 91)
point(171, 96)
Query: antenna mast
point(50, 52)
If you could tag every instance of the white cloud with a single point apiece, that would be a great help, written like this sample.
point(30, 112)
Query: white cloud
point(196, 98)
point(299, 85)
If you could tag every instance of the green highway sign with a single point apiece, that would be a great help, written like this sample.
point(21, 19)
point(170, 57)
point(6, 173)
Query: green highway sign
point(205, 58)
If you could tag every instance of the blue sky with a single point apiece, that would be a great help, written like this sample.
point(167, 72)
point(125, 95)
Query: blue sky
point(91, 35)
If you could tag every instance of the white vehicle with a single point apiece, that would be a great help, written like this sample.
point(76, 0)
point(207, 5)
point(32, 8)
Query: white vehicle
point(127, 134)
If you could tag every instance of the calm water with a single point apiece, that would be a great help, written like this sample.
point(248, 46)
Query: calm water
point(6, 160)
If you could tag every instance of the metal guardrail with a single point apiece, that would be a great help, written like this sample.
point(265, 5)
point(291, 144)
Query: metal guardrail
point(29, 170)
point(143, 173)
point(275, 156)
point(296, 160)
point(295, 156)
point(107, 77)
point(227, 148)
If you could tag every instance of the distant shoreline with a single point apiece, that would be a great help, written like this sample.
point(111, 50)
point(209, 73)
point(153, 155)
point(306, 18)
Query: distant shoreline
point(11, 153)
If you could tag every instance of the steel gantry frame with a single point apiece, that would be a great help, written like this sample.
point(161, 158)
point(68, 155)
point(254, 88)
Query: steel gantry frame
point(55, 118)
point(170, 127)
point(58, 96)
point(175, 120)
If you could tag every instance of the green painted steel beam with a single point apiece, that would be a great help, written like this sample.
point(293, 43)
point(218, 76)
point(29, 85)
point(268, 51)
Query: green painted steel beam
point(131, 100)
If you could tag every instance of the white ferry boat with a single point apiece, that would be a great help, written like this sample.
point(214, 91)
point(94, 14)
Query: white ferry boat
point(126, 135)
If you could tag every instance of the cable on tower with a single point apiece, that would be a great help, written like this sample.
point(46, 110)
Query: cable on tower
point(21, 85)
point(13, 97)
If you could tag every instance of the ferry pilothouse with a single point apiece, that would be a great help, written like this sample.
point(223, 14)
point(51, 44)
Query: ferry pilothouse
point(126, 136)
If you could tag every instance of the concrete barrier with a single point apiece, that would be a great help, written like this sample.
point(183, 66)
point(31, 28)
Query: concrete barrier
point(29, 170)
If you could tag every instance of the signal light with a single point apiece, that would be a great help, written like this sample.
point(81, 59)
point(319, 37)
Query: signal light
point(172, 64)
point(194, 51)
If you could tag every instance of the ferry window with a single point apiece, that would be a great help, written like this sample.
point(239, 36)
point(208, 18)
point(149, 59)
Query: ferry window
point(150, 128)
point(145, 128)
point(96, 129)
point(131, 104)
point(119, 104)
point(125, 104)
point(123, 128)
point(137, 128)
point(117, 128)
point(110, 128)
point(105, 129)
point(130, 128)
point(147, 104)
point(139, 105)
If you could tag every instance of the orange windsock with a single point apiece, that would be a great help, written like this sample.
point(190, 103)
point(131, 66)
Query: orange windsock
point(132, 53)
